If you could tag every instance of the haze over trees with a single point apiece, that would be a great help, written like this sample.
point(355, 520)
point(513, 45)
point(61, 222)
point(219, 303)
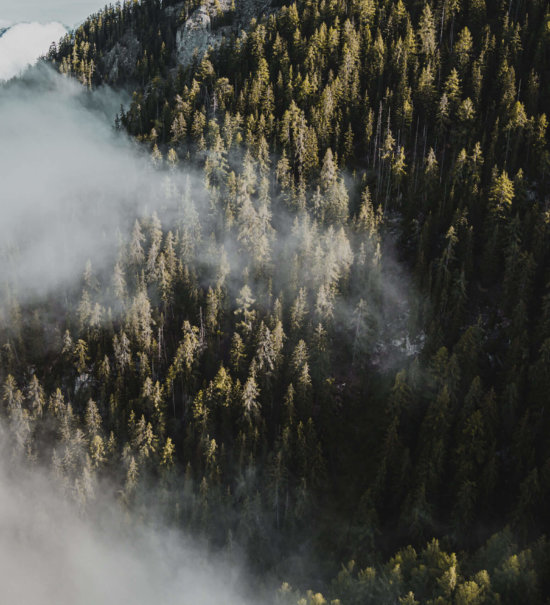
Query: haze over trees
point(336, 349)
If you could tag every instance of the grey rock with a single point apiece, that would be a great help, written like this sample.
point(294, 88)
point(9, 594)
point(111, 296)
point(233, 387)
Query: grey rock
point(196, 36)
point(121, 60)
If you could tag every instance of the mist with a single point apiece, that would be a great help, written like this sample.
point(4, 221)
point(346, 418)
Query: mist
point(54, 554)
point(68, 12)
point(23, 43)
point(67, 177)
point(32, 25)
point(73, 187)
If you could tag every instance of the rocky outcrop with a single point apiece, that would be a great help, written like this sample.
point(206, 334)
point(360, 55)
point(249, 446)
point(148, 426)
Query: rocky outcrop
point(196, 36)
point(199, 32)
point(120, 62)
point(203, 29)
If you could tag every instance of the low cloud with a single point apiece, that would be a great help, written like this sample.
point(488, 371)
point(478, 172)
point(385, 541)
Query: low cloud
point(22, 44)
point(53, 554)
point(68, 180)
point(74, 186)
point(69, 12)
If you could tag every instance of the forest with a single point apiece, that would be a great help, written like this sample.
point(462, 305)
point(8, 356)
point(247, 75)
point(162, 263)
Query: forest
point(328, 344)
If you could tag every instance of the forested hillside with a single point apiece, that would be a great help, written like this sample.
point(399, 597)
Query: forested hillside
point(337, 348)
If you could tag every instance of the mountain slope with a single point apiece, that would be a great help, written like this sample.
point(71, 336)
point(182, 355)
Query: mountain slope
point(273, 324)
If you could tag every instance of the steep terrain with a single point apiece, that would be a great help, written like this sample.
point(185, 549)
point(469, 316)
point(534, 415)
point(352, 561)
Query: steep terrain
point(180, 32)
point(336, 177)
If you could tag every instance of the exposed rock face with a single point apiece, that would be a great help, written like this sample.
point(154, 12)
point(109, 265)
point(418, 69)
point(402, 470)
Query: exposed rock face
point(197, 34)
point(203, 29)
point(120, 61)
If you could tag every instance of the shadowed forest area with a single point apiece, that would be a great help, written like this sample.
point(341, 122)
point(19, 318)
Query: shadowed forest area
point(326, 341)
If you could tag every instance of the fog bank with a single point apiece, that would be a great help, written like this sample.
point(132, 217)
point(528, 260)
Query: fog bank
point(74, 187)
point(22, 44)
point(69, 12)
point(52, 555)
point(68, 180)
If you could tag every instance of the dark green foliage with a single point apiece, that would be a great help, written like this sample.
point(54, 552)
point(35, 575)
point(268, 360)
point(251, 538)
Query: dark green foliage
point(269, 392)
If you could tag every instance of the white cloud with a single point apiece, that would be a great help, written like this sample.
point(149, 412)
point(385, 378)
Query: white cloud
point(52, 554)
point(70, 12)
point(22, 44)
point(65, 178)
point(69, 181)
